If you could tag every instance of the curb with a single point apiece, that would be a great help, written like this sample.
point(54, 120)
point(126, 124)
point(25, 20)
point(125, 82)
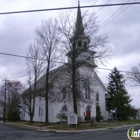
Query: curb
point(89, 130)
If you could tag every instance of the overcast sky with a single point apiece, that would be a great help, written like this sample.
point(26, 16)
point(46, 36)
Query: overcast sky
point(17, 31)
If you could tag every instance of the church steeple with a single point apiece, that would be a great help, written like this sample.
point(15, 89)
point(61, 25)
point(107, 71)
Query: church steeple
point(80, 42)
point(79, 29)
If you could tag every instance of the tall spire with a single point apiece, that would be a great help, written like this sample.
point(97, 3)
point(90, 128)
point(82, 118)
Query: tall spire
point(79, 23)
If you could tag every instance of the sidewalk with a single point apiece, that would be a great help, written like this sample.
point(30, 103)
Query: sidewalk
point(21, 125)
point(47, 129)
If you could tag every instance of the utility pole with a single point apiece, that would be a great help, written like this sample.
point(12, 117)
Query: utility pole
point(4, 109)
point(116, 114)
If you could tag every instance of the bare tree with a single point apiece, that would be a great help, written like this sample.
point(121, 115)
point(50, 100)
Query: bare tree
point(14, 90)
point(48, 37)
point(35, 69)
point(27, 98)
point(134, 76)
point(83, 45)
point(10, 96)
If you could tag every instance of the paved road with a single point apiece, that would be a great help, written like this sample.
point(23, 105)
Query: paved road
point(8, 132)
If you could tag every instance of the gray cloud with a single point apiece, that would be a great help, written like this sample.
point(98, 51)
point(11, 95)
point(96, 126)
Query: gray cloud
point(123, 30)
point(17, 32)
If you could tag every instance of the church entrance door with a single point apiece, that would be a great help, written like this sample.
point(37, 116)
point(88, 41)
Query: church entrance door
point(88, 112)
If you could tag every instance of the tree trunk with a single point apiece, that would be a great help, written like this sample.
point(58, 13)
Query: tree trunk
point(31, 117)
point(74, 84)
point(46, 98)
point(74, 93)
point(33, 107)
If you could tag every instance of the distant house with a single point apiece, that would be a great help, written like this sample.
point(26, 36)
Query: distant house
point(92, 89)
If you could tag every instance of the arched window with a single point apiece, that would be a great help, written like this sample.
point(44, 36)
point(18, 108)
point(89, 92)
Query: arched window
point(64, 108)
point(64, 94)
point(97, 96)
point(79, 43)
point(85, 44)
point(87, 89)
point(88, 108)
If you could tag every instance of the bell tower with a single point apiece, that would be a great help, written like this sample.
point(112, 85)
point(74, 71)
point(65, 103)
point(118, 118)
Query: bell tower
point(80, 42)
point(79, 37)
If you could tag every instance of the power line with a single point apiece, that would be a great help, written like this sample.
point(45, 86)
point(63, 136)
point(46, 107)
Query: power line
point(64, 8)
point(94, 2)
point(21, 56)
point(15, 55)
point(102, 7)
point(90, 7)
point(104, 23)
point(116, 15)
point(17, 76)
point(118, 70)
point(62, 62)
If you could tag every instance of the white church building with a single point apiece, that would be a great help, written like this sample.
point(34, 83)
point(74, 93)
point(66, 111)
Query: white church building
point(92, 90)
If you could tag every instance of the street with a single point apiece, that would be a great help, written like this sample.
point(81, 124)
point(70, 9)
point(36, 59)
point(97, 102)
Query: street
point(8, 132)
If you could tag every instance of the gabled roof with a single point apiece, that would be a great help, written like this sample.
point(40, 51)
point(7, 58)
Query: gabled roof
point(42, 80)
point(100, 81)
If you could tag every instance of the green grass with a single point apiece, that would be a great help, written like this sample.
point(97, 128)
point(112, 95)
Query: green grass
point(81, 126)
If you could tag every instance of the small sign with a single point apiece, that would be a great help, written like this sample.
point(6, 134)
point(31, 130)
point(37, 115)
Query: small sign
point(72, 118)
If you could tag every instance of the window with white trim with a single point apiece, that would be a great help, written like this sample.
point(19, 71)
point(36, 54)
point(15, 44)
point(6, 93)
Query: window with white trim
point(39, 111)
point(87, 89)
point(97, 96)
point(64, 108)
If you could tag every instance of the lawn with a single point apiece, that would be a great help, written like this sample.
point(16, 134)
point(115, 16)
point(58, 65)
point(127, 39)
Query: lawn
point(83, 125)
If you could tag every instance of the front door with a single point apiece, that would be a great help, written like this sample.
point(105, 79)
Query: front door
point(88, 114)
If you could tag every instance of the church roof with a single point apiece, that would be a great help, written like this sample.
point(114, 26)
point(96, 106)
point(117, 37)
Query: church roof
point(54, 74)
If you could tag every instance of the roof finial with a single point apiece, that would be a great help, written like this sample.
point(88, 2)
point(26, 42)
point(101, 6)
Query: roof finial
point(79, 22)
point(78, 3)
